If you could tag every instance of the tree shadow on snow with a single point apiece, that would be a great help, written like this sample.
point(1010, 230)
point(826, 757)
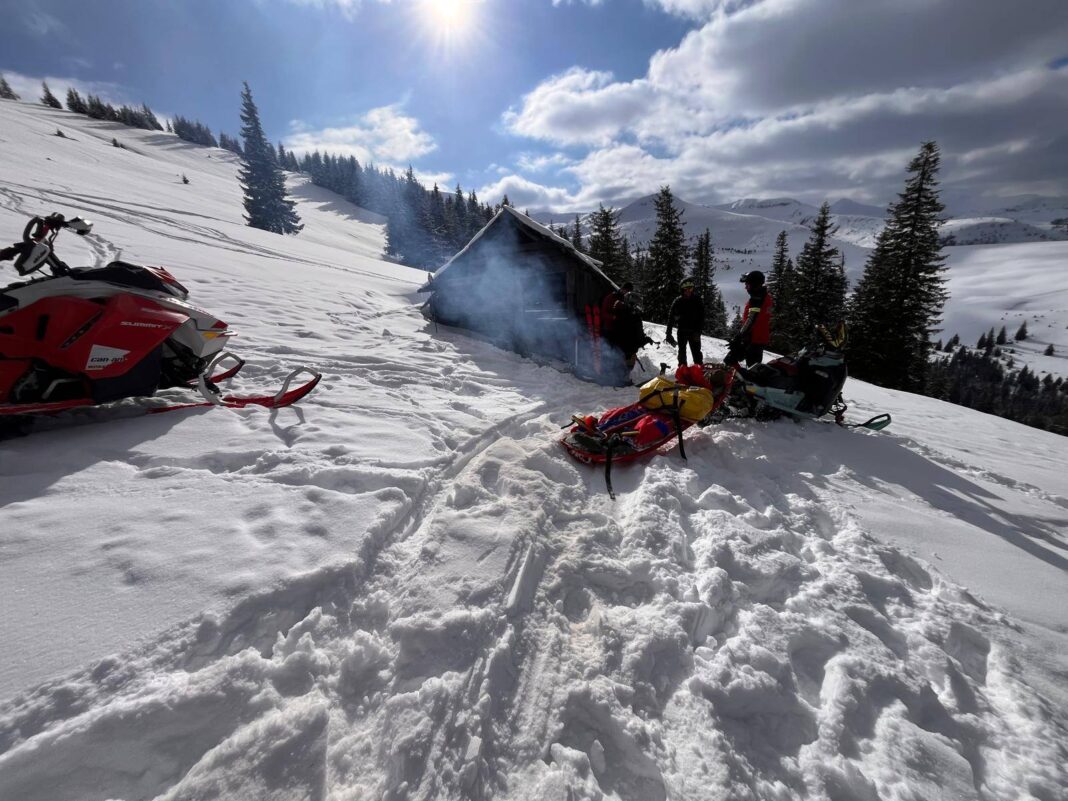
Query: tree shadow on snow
point(880, 461)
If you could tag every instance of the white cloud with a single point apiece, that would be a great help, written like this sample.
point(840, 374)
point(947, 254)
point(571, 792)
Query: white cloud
point(579, 107)
point(533, 162)
point(383, 135)
point(29, 88)
point(42, 24)
point(698, 9)
point(348, 8)
point(806, 97)
point(523, 193)
point(443, 179)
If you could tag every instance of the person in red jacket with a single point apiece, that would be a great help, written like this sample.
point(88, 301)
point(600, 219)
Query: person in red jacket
point(611, 304)
point(756, 323)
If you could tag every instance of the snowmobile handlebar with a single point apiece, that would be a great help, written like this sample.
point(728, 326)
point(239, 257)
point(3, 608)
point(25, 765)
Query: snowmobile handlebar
point(40, 227)
point(35, 250)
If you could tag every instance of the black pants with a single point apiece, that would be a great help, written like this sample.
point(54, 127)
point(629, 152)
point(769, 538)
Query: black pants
point(693, 338)
point(752, 354)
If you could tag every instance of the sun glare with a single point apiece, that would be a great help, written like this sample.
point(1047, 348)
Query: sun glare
point(448, 21)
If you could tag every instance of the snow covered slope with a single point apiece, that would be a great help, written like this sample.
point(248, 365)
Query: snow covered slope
point(1005, 285)
point(995, 231)
point(404, 589)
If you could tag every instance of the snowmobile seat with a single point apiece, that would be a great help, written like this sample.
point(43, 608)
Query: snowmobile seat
point(768, 375)
point(122, 274)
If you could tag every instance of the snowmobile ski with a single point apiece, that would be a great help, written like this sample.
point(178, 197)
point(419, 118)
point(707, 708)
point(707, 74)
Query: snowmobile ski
point(225, 375)
point(285, 396)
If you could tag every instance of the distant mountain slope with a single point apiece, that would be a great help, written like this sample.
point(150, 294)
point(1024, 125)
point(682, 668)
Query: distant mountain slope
point(991, 286)
point(996, 231)
point(1023, 208)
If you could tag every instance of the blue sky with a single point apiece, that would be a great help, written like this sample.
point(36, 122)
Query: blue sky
point(564, 103)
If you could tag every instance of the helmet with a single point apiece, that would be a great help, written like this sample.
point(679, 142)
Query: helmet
point(686, 283)
point(753, 277)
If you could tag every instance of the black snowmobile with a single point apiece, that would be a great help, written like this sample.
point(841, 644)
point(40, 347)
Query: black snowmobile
point(804, 385)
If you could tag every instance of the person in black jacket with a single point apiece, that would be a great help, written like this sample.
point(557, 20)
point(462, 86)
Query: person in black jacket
point(629, 334)
point(688, 314)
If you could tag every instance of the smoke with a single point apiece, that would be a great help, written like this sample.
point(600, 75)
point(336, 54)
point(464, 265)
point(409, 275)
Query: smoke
point(523, 302)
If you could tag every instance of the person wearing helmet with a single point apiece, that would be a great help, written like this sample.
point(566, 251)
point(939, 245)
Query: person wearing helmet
point(688, 313)
point(756, 323)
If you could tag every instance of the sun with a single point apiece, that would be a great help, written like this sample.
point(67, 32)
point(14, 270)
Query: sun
point(448, 21)
point(449, 12)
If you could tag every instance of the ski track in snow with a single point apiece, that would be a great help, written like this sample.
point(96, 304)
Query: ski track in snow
point(464, 613)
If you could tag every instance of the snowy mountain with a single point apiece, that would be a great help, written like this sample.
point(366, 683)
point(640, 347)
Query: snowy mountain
point(404, 587)
point(1004, 285)
point(852, 208)
point(782, 209)
point(1036, 209)
point(996, 231)
point(742, 241)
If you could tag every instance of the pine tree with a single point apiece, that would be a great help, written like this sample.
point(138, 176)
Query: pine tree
point(953, 344)
point(898, 303)
point(576, 236)
point(459, 218)
point(1001, 337)
point(990, 341)
point(704, 279)
point(667, 258)
point(1021, 332)
point(735, 326)
point(96, 108)
point(819, 285)
point(75, 102)
point(151, 122)
point(605, 245)
point(981, 344)
point(787, 331)
point(266, 204)
point(1048, 351)
point(48, 98)
point(627, 267)
point(6, 92)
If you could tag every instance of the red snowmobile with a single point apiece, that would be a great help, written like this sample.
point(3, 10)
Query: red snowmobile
point(80, 337)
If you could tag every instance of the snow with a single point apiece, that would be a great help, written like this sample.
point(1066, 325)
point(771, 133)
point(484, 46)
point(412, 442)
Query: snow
point(1006, 285)
point(403, 588)
point(995, 230)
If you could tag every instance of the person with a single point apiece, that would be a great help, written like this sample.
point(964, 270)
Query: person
point(749, 343)
point(613, 300)
point(628, 333)
point(688, 313)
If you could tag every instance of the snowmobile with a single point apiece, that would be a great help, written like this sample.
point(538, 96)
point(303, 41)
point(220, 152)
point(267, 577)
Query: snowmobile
point(664, 410)
point(805, 385)
point(73, 337)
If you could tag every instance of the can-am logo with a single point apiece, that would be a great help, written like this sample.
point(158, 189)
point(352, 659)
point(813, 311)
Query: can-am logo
point(101, 357)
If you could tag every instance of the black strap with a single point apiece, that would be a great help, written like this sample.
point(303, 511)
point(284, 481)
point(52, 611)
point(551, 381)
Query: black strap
point(609, 447)
point(678, 419)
